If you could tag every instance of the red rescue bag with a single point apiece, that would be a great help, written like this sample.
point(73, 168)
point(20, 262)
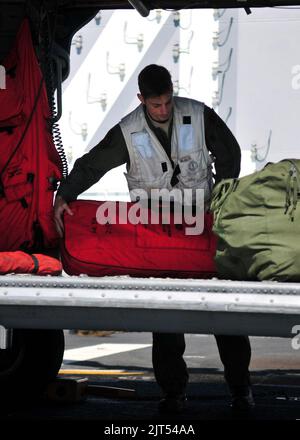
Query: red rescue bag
point(30, 165)
point(140, 250)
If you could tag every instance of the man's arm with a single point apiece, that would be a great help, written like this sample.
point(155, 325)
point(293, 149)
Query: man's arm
point(223, 145)
point(110, 153)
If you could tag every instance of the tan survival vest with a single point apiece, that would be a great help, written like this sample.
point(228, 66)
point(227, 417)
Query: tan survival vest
point(150, 166)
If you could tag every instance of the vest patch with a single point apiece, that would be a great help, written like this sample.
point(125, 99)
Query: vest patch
point(193, 166)
point(141, 141)
point(164, 166)
point(186, 120)
point(186, 137)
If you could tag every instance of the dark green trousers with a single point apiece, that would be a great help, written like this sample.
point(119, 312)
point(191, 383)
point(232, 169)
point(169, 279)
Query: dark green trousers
point(170, 369)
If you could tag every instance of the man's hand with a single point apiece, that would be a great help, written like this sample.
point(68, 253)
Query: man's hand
point(60, 205)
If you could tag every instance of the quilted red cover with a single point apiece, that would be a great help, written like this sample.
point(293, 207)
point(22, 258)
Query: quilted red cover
point(29, 161)
point(141, 250)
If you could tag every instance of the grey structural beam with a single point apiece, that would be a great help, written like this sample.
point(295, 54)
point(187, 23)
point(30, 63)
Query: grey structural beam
point(139, 304)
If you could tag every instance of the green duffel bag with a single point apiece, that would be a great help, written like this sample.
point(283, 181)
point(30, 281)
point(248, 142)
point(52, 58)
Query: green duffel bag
point(257, 222)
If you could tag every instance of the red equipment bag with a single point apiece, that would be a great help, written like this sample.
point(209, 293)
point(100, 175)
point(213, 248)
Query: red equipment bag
point(30, 165)
point(140, 250)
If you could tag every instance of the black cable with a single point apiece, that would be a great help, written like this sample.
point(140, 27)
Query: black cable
point(48, 48)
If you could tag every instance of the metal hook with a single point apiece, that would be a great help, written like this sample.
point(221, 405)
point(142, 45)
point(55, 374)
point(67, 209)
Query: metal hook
point(83, 132)
point(102, 99)
point(119, 70)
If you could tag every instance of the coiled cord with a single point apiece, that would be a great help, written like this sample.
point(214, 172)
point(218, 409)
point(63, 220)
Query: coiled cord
point(47, 46)
point(60, 148)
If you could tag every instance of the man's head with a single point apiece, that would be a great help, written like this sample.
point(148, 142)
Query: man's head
point(156, 92)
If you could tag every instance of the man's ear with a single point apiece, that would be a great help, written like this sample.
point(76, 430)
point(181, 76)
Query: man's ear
point(140, 97)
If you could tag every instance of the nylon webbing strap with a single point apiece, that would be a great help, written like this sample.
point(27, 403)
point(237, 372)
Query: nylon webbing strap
point(36, 264)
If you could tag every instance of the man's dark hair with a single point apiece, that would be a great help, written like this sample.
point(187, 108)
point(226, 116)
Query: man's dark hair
point(154, 80)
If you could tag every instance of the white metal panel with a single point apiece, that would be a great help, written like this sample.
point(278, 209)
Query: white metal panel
point(135, 304)
point(262, 85)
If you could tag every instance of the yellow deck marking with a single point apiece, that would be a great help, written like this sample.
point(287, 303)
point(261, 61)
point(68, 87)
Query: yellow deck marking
point(101, 372)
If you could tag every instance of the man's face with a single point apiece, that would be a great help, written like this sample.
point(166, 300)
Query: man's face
point(159, 108)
